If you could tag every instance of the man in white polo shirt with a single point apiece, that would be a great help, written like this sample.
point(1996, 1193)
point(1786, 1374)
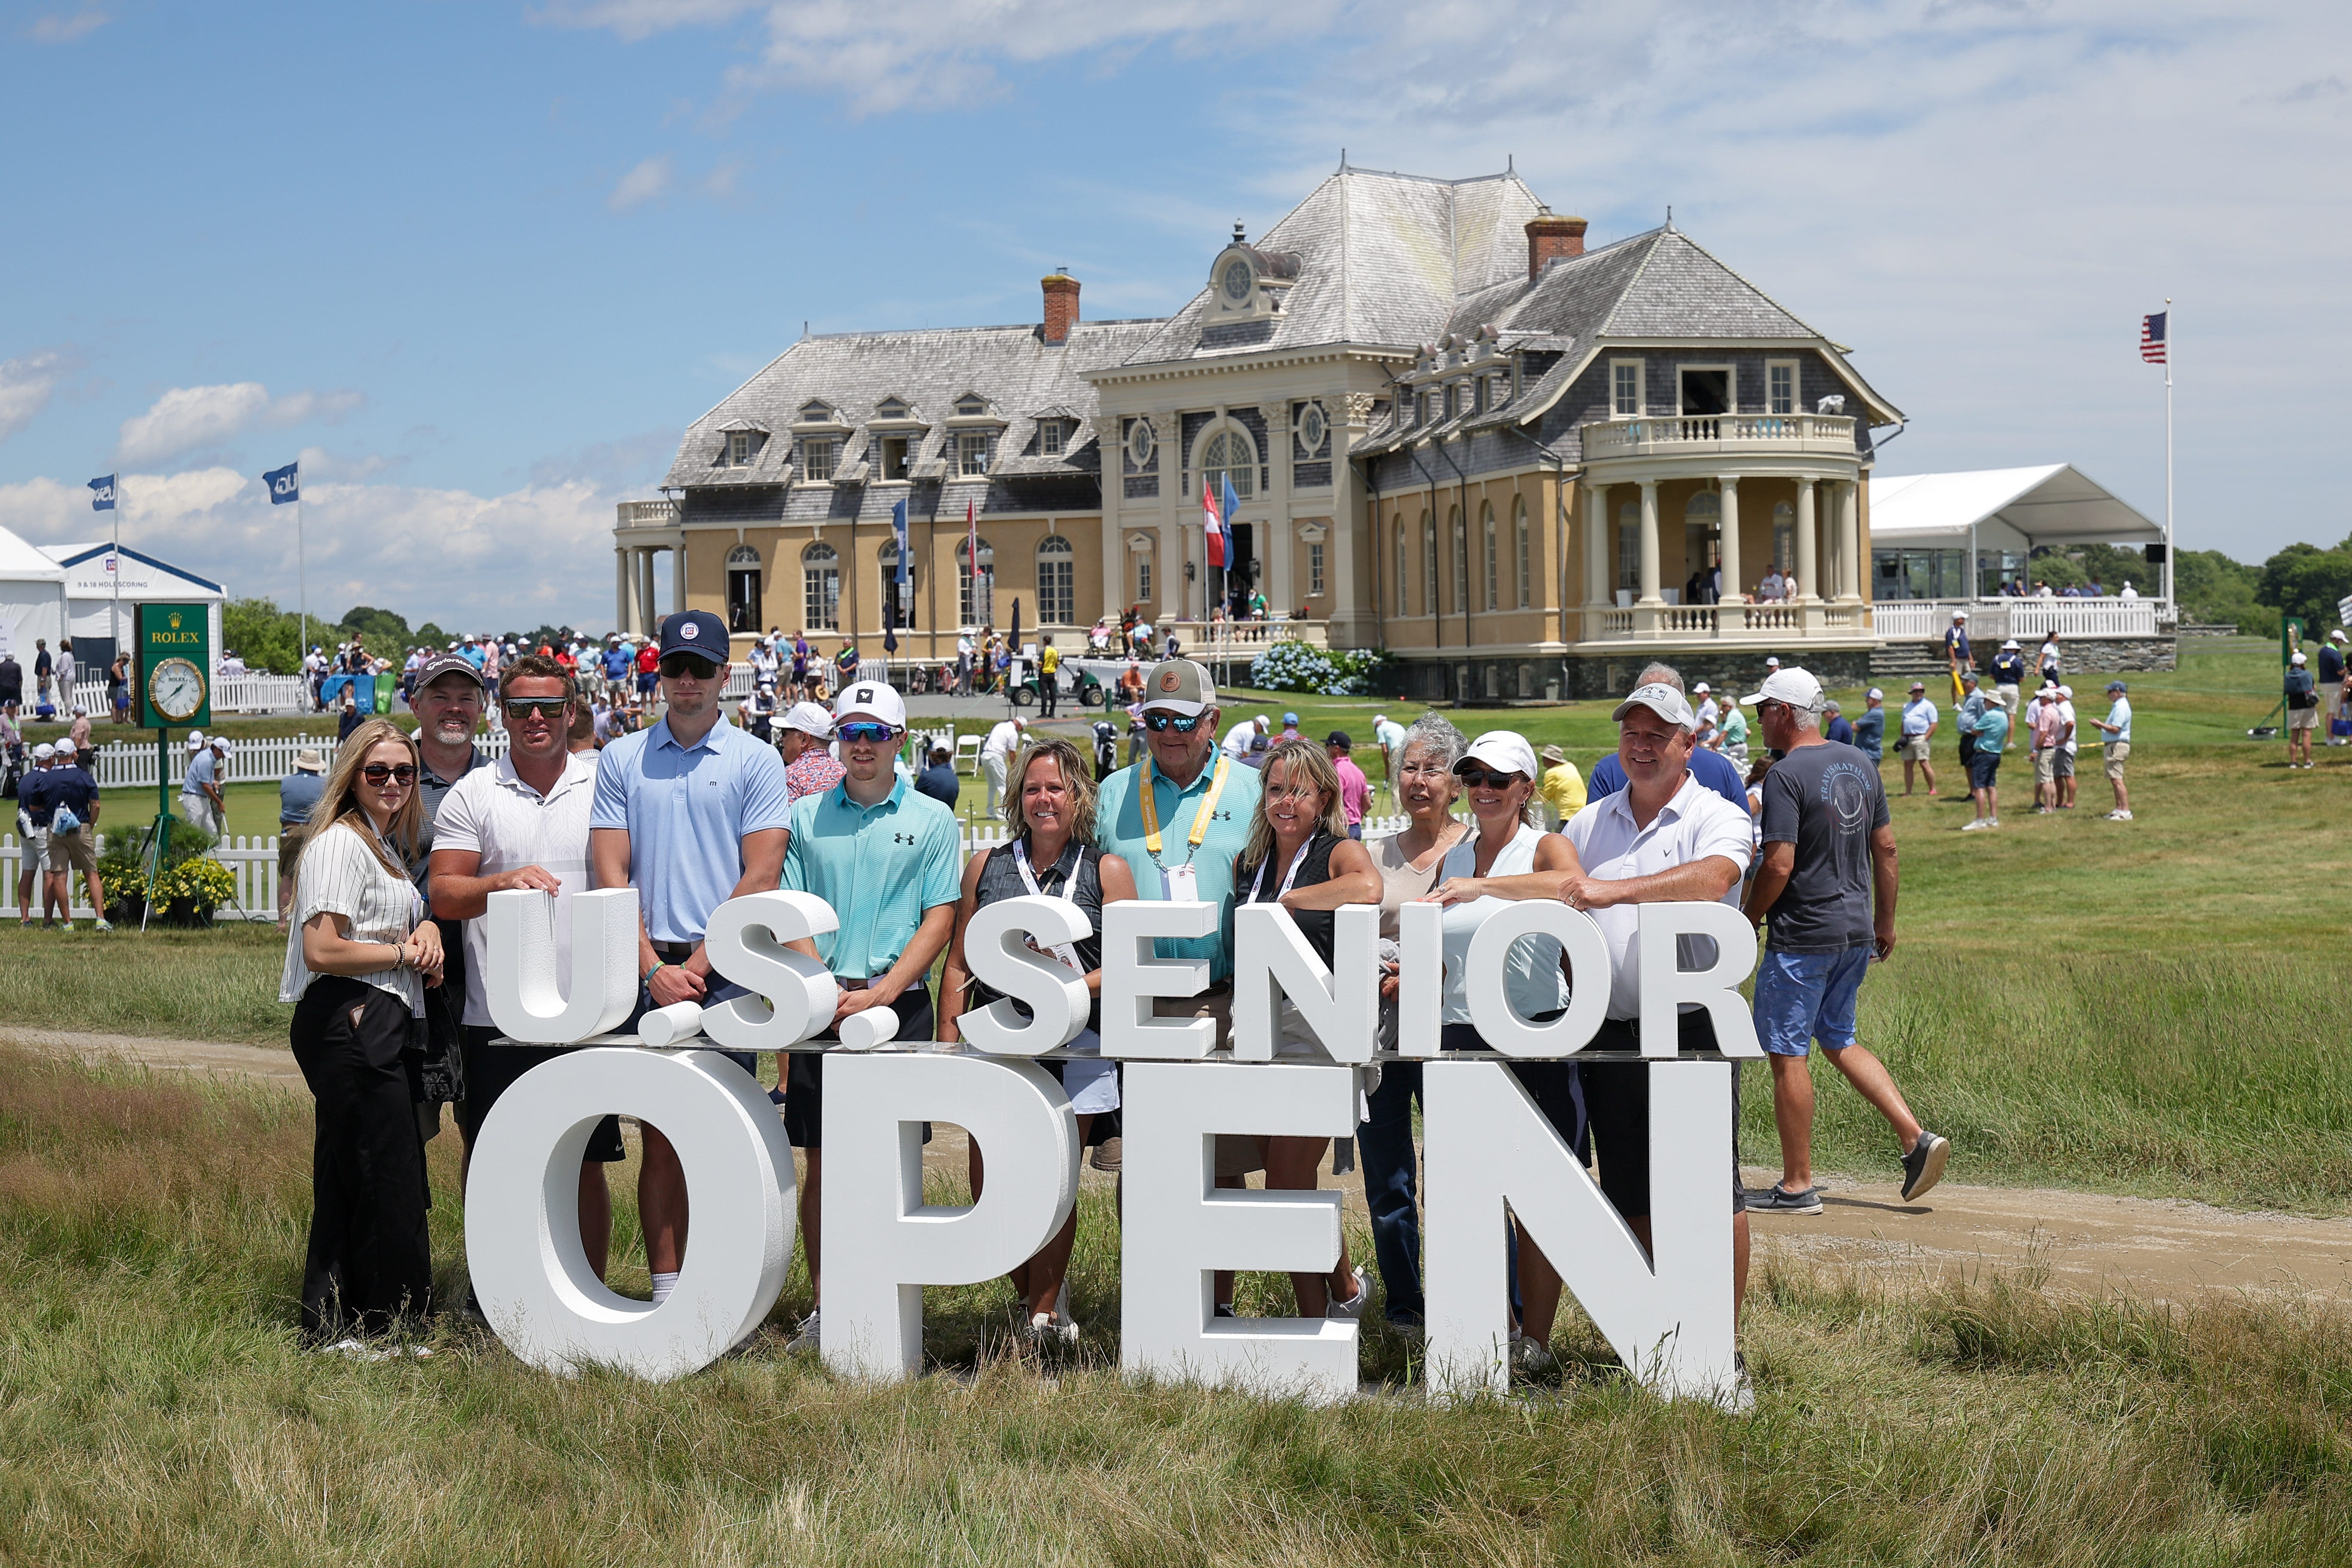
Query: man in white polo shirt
point(521, 823)
point(996, 755)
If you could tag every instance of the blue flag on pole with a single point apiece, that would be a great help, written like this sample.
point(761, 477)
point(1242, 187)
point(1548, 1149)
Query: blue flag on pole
point(101, 494)
point(285, 484)
point(899, 528)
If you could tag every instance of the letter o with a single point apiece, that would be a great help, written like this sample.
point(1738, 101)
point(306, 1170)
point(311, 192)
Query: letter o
point(522, 1215)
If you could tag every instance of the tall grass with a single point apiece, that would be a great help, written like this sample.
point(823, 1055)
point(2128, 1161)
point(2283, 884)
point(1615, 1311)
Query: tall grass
point(154, 1408)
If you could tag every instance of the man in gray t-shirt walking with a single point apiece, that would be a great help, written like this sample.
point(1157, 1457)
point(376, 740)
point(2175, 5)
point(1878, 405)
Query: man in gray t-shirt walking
point(1827, 881)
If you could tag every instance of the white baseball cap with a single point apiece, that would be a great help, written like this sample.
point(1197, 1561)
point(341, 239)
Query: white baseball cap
point(1505, 750)
point(220, 744)
point(871, 700)
point(810, 718)
point(1772, 661)
point(42, 752)
point(2337, 636)
point(2067, 692)
point(1702, 686)
point(2298, 659)
point(1877, 695)
point(1793, 686)
point(1959, 614)
point(2008, 646)
point(1660, 698)
point(195, 740)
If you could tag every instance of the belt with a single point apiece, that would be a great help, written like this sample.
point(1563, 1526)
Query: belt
point(675, 952)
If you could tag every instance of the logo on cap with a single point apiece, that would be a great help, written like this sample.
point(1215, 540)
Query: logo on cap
point(1169, 680)
point(865, 694)
point(690, 631)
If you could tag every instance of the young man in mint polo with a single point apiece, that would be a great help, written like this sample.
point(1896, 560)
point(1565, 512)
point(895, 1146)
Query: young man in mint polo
point(889, 860)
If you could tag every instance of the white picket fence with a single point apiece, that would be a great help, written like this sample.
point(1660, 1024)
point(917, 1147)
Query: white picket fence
point(253, 862)
point(130, 765)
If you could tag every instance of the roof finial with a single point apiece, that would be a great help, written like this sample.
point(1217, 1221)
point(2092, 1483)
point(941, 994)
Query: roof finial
point(1237, 231)
point(1343, 160)
point(1670, 217)
point(1510, 163)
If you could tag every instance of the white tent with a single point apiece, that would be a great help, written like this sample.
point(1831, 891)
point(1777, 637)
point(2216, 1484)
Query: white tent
point(2003, 509)
point(88, 570)
point(32, 598)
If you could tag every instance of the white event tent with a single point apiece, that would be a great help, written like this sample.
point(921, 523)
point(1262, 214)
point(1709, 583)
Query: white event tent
point(1925, 528)
point(49, 593)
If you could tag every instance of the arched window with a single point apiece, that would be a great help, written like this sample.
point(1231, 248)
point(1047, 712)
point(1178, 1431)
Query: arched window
point(1784, 536)
point(820, 586)
point(975, 594)
point(1493, 565)
point(1428, 565)
point(1229, 455)
point(1400, 609)
point(886, 561)
point(1057, 581)
point(1522, 554)
point(743, 589)
point(1461, 559)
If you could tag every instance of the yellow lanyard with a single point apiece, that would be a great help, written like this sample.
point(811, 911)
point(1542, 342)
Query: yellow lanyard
point(1201, 814)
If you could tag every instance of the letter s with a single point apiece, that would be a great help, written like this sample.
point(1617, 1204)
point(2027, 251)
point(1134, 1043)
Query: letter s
point(745, 942)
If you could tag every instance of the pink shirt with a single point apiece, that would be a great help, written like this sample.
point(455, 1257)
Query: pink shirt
point(2049, 726)
point(1355, 790)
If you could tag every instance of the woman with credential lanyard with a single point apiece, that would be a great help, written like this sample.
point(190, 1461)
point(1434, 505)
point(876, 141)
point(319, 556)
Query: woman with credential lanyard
point(1498, 773)
point(1299, 856)
point(1051, 810)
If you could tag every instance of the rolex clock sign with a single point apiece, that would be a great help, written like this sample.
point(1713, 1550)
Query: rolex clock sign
point(175, 666)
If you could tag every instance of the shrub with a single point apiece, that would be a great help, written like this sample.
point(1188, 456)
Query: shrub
point(1328, 672)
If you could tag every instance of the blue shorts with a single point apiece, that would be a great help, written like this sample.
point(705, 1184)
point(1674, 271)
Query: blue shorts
point(1802, 997)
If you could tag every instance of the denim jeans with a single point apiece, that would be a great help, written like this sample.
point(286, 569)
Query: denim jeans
point(1385, 1152)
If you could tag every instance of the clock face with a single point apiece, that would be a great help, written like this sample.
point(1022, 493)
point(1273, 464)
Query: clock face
point(1237, 279)
point(175, 688)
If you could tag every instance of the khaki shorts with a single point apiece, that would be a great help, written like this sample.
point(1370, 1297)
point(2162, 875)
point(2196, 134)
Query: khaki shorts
point(2303, 718)
point(291, 836)
point(2045, 765)
point(71, 852)
point(2008, 699)
point(2117, 752)
point(1914, 749)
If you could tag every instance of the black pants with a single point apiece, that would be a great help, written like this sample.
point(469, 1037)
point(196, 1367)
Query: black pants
point(1617, 1098)
point(1046, 685)
point(803, 1071)
point(369, 1260)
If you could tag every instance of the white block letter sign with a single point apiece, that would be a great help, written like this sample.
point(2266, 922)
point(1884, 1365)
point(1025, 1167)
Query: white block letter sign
point(883, 1243)
point(523, 1212)
point(1272, 961)
point(1132, 976)
point(528, 1002)
point(745, 941)
point(1179, 1225)
point(1486, 1144)
point(1666, 985)
point(1499, 1023)
point(996, 944)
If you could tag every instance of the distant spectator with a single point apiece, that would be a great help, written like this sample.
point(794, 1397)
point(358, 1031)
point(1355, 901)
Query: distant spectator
point(118, 688)
point(2009, 676)
point(1355, 790)
point(78, 737)
point(65, 674)
point(1972, 705)
point(2301, 711)
point(1920, 720)
point(939, 778)
point(1389, 735)
point(44, 671)
point(996, 756)
point(297, 797)
point(348, 716)
point(2065, 761)
point(2117, 727)
point(200, 793)
point(1290, 729)
point(1870, 729)
point(1958, 655)
point(809, 766)
point(1237, 742)
point(2050, 734)
point(1838, 728)
point(12, 679)
point(1260, 749)
point(1561, 788)
point(2331, 682)
point(62, 802)
point(2048, 657)
point(1732, 737)
point(1988, 729)
point(36, 839)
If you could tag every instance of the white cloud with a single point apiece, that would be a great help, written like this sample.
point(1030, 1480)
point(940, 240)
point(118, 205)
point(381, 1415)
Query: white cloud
point(65, 29)
point(542, 552)
point(643, 184)
point(25, 386)
point(189, 418)
point(636, 19)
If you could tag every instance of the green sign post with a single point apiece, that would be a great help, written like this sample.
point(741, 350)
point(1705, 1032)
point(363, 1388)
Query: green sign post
point(174, 646)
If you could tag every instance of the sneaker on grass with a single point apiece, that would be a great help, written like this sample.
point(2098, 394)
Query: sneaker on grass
point(1778, 1199)
point(1351, 1309)
point(1924, 1166)
point(809, 1335)
point(1529, 1355)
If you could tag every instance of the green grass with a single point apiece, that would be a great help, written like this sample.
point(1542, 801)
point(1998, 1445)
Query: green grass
point(154, 1408)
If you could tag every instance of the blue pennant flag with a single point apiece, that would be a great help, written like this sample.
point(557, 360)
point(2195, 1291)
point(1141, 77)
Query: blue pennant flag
point(899, 528)
point(285, 484)
point(101, 494)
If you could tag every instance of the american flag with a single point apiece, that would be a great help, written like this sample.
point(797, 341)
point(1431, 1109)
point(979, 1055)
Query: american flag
point(2151, 337)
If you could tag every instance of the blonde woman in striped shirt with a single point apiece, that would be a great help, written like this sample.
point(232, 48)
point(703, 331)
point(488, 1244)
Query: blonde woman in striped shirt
point(359, 954)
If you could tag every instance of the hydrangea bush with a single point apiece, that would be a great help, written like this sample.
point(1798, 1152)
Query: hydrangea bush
point(1328, 672)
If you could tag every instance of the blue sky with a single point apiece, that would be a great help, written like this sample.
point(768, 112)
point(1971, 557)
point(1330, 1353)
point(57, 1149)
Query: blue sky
point(478, 264)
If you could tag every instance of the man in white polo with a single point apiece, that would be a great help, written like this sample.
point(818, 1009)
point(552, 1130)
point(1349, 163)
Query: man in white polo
point(521, 823)
point(996, 755)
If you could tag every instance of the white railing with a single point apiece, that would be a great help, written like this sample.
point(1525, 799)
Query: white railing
point(1925, 619)
point(130, 765)
point(648, 514)
point(231, 694)
point(1691, 434)
point(252, 861)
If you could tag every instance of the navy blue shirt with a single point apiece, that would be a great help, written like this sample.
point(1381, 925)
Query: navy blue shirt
point(1839, 730)
point(939, 784)
point(46, 789)
point(1712, 769)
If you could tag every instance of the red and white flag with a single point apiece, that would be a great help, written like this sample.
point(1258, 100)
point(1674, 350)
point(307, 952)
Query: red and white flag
point(1212, 525)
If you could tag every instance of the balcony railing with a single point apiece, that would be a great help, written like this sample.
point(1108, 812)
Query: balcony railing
point(1902, 620)
point(1700, 435)
point(648, 514)
point(1710, 623)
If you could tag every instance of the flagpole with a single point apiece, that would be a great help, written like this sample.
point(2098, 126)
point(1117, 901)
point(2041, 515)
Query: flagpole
point(114, 616)
point(302, 580)
point(2168, 340)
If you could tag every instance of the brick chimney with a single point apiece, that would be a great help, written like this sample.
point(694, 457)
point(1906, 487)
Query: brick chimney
point(1551, 238)
point(1061, 307)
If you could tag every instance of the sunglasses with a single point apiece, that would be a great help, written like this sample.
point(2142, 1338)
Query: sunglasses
point(686, 665)
point(1156, 719)
point(521, 707)
point(1476, 777)
point(859, 734)
point(376, 773)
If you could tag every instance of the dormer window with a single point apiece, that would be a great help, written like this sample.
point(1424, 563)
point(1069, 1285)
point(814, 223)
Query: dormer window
point(890, 408)
point(816, 413)
point(971, 455)
point(817, 458)
point(739, 448)
point(894, 457)
point(972, 407)
point(1626, 387)
point(1053, 436)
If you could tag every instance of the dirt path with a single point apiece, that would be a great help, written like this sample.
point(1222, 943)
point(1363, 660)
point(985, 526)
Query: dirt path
point(2161, 1249)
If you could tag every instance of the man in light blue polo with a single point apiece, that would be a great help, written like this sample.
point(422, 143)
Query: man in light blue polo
point(1179, 817)
point(690, 811)
point(889, 860)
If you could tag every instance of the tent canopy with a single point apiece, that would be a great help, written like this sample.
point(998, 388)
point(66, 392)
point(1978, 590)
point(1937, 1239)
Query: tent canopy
point(2006, 509)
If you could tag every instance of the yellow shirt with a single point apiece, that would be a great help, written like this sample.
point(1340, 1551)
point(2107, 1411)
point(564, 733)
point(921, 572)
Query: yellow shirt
point(1050, 660)
point(1563, 790)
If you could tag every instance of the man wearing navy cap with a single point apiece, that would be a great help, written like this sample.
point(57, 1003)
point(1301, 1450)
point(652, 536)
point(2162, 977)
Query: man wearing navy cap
point(691, 812)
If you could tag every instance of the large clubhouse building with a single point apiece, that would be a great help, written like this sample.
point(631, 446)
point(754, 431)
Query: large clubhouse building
point(1519, 465)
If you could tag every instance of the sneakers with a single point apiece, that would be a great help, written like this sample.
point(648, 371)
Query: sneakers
point(809, 1336)
point(2117, 816)
point(103, 924)
point(1529, 1355)
point(1739, 1399)
point(1048, 1327)
point(1979, 822)
point(1351, 1310)
point(1924, 1166)
point(1778, 1199)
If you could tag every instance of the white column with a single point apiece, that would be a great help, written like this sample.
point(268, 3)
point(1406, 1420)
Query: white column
point(1650, 595)
point(1114, 556)
point(1731, 542)
point(1281, 593)
point(1850, 543)
point(1807, 556)
point(677, 575)
point(621, 588)
point(1596, 548)
point(644, 593)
